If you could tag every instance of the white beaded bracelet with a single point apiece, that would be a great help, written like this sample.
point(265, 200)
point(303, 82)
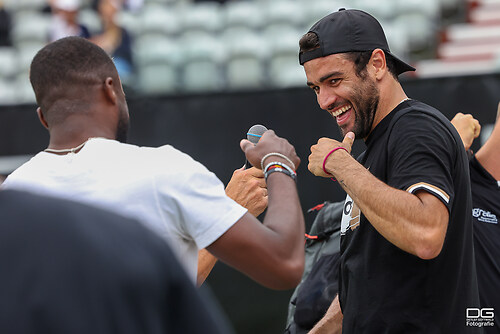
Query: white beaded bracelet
point(278, 155)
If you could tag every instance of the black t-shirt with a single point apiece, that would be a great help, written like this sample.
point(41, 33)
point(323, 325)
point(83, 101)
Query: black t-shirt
point(384, 289)
point(70, 268)
point(485, 217)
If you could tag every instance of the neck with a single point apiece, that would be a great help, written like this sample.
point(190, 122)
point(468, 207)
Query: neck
point(110, 25)
point(489, 155)
point(67, 136)
point(391, 95)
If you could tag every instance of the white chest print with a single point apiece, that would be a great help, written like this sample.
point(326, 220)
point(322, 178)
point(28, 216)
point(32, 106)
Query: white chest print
point(351, 216)
point(484, 216)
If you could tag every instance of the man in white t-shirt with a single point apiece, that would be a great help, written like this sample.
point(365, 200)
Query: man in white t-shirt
point(82, 104)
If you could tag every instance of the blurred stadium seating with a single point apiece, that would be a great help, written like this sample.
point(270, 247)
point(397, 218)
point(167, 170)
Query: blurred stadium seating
point(468, 47)
point(185, 46)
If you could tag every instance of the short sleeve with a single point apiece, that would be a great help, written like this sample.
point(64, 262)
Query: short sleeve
point(196, 200)
point(421, 155)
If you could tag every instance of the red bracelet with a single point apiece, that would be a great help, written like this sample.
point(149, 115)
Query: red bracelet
point(324, 160)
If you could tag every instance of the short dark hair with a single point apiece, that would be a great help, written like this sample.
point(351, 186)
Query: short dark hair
point(66, 69)
point(310, 41)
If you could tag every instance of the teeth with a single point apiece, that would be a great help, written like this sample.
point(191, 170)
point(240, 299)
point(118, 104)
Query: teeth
point(341, 110)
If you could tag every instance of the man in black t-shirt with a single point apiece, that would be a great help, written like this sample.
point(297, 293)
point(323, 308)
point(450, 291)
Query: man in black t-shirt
point(485, 184)
point(319, 285)
point(407, 262)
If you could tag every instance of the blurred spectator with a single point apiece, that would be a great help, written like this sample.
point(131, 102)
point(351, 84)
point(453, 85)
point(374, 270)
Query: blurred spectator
point(115, 39)
point(65, 20)
point(5, 26)
point(130, 5)
point(133, 5)
point(219, 1)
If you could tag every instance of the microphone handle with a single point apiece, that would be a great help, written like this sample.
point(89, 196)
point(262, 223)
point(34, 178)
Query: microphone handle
point(248, 164)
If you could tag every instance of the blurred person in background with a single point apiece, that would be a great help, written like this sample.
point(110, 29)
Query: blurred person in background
point(115, 39)
point(219, 1)
point(129, 5)
point(5, 26)
point(65, 20)
point(484, 169)
point(73, 268)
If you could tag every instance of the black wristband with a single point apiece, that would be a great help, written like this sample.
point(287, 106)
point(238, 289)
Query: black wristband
point(281, 170)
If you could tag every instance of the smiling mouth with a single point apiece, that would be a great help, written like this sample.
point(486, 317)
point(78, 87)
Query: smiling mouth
point(340, 111)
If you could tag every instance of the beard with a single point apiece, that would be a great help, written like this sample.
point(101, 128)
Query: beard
point(365, 101)
point(123, 126)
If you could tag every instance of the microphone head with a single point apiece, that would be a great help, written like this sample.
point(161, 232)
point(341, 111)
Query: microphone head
point(255, 132)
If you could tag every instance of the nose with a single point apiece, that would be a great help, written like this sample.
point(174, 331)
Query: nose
point(326, 99)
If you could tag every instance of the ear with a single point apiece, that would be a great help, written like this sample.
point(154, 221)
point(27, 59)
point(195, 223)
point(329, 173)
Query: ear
point(378, 63)
point(109, 90)
point(42, 118)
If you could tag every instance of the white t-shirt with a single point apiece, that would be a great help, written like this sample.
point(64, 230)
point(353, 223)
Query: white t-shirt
point(164, 188)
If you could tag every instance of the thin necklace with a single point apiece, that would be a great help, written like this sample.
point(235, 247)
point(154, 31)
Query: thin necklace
point(67, 150)
point(403, 100)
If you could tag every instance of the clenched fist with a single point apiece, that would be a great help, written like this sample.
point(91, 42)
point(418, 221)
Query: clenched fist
point(321, 150)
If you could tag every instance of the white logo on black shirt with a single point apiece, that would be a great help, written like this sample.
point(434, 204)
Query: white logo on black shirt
point(350, 217)
point(484, 216)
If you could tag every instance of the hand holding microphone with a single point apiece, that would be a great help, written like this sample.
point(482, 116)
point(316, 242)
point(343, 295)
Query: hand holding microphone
point(253, 135)
point(270, 143)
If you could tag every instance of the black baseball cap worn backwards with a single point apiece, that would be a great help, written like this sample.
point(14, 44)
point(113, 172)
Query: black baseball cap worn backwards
point(350, 30)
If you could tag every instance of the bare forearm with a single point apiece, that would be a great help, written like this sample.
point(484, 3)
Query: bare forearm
point(206, 262)
point(272, 253)
point(402, 218)
point(331, 323)
point(285, 221)
point(247, 188)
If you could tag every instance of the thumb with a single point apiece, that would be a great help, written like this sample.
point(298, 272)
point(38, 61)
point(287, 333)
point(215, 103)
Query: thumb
point(348, 140)
point(245, 144)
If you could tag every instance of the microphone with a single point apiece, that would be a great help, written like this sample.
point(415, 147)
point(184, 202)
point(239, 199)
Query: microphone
point(253, 135)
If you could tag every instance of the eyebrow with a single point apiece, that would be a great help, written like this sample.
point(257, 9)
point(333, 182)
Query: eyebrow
point(326, 77)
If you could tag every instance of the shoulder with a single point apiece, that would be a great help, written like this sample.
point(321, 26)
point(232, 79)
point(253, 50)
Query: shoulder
point(424, 123)
point(156, 162)
point(420, 113)
point(140, 155)
point(422, 137)
point(28, 170)
point(168, 162)
point(479, 175)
